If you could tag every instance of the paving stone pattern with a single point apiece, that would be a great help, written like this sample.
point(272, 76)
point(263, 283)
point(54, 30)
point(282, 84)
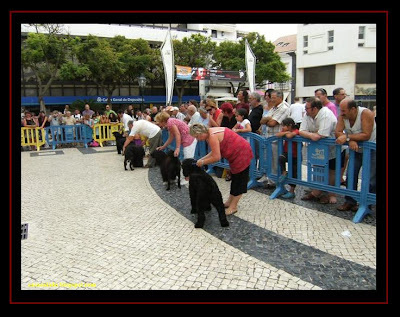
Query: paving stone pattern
point(95, 226)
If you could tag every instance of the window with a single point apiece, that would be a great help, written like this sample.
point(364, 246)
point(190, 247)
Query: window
point(214, 34)
point(330, 37)
point(318, 76)
point(305, 41)
point(366, 73)
point(361, 32)
point(305, 44)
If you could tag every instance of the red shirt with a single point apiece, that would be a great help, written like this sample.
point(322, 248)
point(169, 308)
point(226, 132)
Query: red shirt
point(294, 145)
point(236, 150)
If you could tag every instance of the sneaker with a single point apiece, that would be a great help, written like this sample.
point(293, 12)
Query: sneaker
point(288, 195)
point(184, 181)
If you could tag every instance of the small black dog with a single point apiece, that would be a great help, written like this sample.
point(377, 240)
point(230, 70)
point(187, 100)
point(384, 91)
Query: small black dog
point(203, 192)
point(134, 155)
point(170, 166)
point(120, 140)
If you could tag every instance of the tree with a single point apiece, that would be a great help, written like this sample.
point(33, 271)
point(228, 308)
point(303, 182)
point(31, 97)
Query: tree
point(44, 54)
point(110, 62)
point(195, 51)
point(231, 56)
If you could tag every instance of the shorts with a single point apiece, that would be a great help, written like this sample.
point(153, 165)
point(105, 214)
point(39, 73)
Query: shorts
point(188, 151)
point(239, 182)
point(332, 162)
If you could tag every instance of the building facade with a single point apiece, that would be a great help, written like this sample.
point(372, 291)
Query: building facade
point(337, 55)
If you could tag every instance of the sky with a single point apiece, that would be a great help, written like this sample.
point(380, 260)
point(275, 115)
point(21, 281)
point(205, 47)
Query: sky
point(270, 31)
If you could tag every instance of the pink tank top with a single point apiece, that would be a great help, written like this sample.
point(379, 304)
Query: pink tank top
point(186, 138)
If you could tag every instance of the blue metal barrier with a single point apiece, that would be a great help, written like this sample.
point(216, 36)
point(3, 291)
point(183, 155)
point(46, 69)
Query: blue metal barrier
point(265, 150)
point(64, 134)
point(317, 163)
point(200, 151)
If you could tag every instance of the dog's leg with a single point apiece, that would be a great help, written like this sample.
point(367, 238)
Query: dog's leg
point(219, 205)
point(201, 217)
point(192, 194)
point(169, 184)
point(125, 165)
point(222, 217)
point(131, 165)
point(179, 178)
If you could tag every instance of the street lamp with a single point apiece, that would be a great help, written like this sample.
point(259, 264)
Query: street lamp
point(142, 84)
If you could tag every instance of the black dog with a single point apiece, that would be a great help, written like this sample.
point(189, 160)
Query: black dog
point(134, 155)
point(170, 166)
point(203, 192)
point(120, 140)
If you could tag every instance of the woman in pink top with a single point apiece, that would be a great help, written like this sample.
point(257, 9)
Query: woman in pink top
point(179, 131)
point(225, 143)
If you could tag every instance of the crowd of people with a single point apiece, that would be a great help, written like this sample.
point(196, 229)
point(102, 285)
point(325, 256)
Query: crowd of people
point(314, 119)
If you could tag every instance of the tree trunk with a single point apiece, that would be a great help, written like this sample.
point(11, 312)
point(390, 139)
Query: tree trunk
point(42, 104)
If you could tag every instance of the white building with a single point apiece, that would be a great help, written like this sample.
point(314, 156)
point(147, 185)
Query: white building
point(153, 33)
point(337, 55)
point(286, 47)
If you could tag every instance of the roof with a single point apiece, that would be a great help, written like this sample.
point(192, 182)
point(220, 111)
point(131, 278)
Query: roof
point(286, 43)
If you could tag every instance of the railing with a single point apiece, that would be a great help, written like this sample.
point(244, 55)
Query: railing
point(317, 163)
point(104, 131)
point(67, 134)
point(32, 136)
point(265, 152)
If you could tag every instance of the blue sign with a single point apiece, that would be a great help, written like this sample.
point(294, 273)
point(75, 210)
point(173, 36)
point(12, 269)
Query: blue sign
point(65, 100)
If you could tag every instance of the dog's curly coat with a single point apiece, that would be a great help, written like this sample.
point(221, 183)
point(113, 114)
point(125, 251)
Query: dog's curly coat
point(203, 191)
point(170, 166)
point(134, 155)
point(119, 141)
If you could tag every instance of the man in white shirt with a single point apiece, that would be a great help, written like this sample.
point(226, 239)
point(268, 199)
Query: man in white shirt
point(320, 122)
point(194, 115)
point(124, 118)
point(297, 111)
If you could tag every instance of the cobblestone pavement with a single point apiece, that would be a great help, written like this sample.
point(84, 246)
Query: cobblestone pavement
point(95, 226)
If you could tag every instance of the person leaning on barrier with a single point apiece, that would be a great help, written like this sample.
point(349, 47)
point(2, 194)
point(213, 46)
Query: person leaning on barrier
point(356, 124)
point(224, 143)
point(320, 122)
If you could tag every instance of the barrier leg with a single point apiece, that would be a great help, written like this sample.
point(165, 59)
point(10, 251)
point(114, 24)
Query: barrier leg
point(279, 190)
point(362, 211)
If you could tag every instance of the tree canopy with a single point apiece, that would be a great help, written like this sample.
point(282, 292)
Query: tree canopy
point(111, 62)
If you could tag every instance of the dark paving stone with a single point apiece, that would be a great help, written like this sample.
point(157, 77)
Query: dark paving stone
point(330, 209)
point(312, 265)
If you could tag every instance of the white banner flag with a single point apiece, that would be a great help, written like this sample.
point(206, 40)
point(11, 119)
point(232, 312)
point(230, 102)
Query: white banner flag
point(250, 67)
point(167, 54)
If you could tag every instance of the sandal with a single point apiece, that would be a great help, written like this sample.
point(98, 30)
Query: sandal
point(324, 200)
point(231, 212)
point(310, 197)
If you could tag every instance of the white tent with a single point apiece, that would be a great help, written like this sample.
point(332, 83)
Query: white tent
point(223, 99)
point(226, 99)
